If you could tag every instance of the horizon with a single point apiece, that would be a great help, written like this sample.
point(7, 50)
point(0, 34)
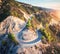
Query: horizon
point(52, 4)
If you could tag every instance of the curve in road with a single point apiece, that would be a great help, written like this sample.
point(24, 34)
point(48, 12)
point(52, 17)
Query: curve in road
point(31, 43)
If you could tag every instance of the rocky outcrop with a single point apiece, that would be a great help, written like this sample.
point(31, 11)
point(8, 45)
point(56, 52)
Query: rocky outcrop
point(11, 24)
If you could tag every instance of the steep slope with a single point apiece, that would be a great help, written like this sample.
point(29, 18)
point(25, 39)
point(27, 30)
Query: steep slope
point(16, 15)
point(40, 16)
point(11, 24)
point(13, 8)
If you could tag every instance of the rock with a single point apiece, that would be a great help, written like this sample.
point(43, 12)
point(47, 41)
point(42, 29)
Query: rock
point(11, 24)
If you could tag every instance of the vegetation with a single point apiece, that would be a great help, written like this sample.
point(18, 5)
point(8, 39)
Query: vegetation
point(4, 10)
point(55, 29)
point(10, 7)
point(28, 24)
point(47, 35)
point(4, 42)
point(52, 49)
point(12, 38)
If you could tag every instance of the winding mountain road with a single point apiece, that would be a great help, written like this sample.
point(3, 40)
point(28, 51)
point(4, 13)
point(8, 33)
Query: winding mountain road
point(33, 42)
point(30, 43)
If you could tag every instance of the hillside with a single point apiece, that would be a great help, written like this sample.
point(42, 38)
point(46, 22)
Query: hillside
point(23, 11)
point(13, 8)
point(17, 19)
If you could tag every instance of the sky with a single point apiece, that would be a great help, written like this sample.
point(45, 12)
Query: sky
point(54, 4)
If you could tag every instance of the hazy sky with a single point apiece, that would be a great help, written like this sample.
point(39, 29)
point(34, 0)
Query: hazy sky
point(54, 4)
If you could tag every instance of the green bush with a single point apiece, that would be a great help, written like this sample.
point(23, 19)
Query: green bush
point(46, 34)
point(4, 42)
point(42, 37)
point(11, 36)
point(28, 23)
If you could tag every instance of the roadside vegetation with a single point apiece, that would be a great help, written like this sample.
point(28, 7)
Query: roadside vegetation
point(12, 38)
point(47, 36)
point(4, 42)
point(28, 23)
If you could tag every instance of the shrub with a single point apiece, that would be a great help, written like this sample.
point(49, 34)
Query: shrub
point(4, 42)
point(28, 23)
point(46, 34)
point(42, 37)
point(11, 36)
